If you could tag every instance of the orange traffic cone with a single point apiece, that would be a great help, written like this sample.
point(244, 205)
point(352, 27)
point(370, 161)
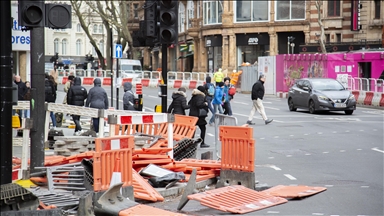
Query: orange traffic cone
point(116, 175)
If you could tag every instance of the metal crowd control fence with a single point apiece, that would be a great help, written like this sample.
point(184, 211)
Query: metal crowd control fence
point(365, 84)
point(221, 119)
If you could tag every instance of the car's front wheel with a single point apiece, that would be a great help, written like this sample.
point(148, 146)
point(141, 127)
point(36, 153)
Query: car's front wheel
point(312, 108)
point(290, 105)
point(348, 112)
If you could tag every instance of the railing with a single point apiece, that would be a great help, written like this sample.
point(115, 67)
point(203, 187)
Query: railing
point(365, 84)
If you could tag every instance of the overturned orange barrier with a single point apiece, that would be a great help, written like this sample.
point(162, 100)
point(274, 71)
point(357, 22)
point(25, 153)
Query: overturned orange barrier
point(143, 190)
point(294, 191)
point(107, 150)
point(200, 163)
point(147, 210)
point(237, 148)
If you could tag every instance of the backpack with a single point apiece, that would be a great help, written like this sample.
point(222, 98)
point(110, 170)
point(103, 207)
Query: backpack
point(232, 90)
point(211, 89)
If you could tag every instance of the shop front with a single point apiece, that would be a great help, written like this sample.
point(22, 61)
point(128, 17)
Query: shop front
point(213, 46)
point(186, 56)
point(251, 46)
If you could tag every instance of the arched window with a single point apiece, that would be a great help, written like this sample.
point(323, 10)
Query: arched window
point(78, 47)
point(181, 17)
point(101, 46)
point(101, 29)
point(95, 28)
point(64, 47)
point(190, 11)
point(78, 27)
point(56, 46)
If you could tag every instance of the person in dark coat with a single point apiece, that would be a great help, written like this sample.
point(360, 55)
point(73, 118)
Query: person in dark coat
point(21, 90)
point(197, 102)
point(129, 96)
point(97, 98)
point(76, 96)
point(257, 99)
point(50, 95)
point(179, 103)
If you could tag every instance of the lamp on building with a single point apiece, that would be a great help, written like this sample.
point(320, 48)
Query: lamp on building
point(290, 40)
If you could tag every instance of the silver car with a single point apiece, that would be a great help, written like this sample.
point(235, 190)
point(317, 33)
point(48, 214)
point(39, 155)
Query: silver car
point(320, 94)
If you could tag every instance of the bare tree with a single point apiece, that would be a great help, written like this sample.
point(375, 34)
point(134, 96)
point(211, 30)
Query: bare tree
point(319, 4)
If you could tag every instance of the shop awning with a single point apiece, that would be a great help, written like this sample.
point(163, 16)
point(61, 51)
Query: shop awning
point(187, 55)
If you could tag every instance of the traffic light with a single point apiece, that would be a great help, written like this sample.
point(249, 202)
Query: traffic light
point(31, 13)
point(168, 21)
point(58, 16)
point(150, 18)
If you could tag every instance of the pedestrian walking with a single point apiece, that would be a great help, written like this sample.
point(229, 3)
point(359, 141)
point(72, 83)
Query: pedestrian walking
point(21, 90)
point(27, 97)
point(129, 97)
point(50, 95)
point(210, 89)
point(67, 86)
point(179, 102)
point(218, 76)
point(257, 99)
point(76, 96)
point(199, 108)
point(228, 96)
point(97, 98)
point(217, 101)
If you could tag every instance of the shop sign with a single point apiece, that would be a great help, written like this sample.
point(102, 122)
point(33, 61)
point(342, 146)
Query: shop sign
point(253, 41)
point(183, 47)
point(208, 43)
point(21, 40)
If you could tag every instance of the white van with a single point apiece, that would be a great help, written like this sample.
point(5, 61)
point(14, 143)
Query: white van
point(130, 68)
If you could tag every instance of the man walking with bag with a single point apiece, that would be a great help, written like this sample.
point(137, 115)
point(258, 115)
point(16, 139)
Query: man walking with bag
point(257, 99)
point(76, 96)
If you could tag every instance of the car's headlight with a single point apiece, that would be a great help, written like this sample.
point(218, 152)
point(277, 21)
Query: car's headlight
point(323, 98)
point(351, 97)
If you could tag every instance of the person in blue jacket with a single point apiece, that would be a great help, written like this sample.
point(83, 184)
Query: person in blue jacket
point(227, 98)
point(217, 101)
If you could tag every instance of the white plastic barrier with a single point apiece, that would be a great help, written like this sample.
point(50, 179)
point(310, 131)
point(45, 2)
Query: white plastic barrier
point(376, 99)
point(361, 98)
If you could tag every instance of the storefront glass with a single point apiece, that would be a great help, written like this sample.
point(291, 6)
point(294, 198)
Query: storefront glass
point(251, 53)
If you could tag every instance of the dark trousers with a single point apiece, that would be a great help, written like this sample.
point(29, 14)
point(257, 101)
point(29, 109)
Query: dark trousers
point(202, 132)
point(95, 122)
point(76, 119)
point(209, 101)
point(227, 108)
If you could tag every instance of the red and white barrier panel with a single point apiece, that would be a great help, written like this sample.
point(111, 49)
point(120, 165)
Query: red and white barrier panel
point(142, 118)
point(282, 94)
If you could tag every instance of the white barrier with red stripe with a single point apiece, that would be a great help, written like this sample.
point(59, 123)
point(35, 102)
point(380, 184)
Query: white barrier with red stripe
point(376, 99)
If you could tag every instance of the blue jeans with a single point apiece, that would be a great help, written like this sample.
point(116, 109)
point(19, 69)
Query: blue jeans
point(95, 122)
point(215, 107)
point(53, 118)
point(27, 113)
point(209, 100)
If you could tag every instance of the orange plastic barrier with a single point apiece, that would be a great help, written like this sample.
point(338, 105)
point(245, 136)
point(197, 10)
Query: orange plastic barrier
point(64, 80)
point(192, 84)
point(145, 82)
point(356, 94)
point(177, 84)
point(107, 81)
point(107, 150)
point(126, 80)
point(382, 100)
point(368, 98)
point(237, 148)
point(87, 80)
point(143, 190)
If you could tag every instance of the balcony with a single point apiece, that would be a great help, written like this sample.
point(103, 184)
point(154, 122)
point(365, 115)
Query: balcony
point(193, 30)
point(333, 22)
point(376, 23)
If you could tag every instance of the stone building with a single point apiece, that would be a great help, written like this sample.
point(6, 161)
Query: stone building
point(225, 34)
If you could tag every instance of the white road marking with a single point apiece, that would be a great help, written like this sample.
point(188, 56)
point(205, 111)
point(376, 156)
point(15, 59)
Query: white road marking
point(275, 167)
point(291, 135)
point(237, 102)
point(276, 137)
point(307, 154)
point(378, 150)
point(306, 134)
point(290, 177)
point(273, 212)
point(209, 134)
point(272, 108)
point(289, 155)
point(358, 149)
point(342, 150)
point(325, 152)
point(328, 185)
point(334, 131)
point(151, 96)
point(374, 129)
point(262, 138)
point(271, 157)
point(347, 131)
point(319, 132)
point(365, 186)
point(361, 130)
point(317, 213)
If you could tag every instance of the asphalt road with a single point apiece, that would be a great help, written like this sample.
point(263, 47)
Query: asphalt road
point(344, 153)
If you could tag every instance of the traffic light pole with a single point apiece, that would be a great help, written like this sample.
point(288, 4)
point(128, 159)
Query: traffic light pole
point(117, 85)
point(111, 36)
point(38, 99)
point(164, 70)
point(6, 93)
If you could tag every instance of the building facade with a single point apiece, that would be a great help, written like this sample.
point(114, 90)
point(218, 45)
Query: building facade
point(225, 34)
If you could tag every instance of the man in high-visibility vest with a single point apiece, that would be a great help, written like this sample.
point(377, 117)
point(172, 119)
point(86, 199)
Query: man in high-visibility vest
point(218, 76)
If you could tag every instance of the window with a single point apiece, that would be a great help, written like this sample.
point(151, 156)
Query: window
point(78, 47)
point(212, 12)
point(377, 9)
point(338, 38)
point(56, 46)
point(290, 10)
point(327, 38)
point(78, 27)
point(181, 17)
point(101, 47)
point(190, 9)
point(95, 28)
point(64, 47)
point(101, 29)
point(252, 11)
point(333, 8)
point(135, 11)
